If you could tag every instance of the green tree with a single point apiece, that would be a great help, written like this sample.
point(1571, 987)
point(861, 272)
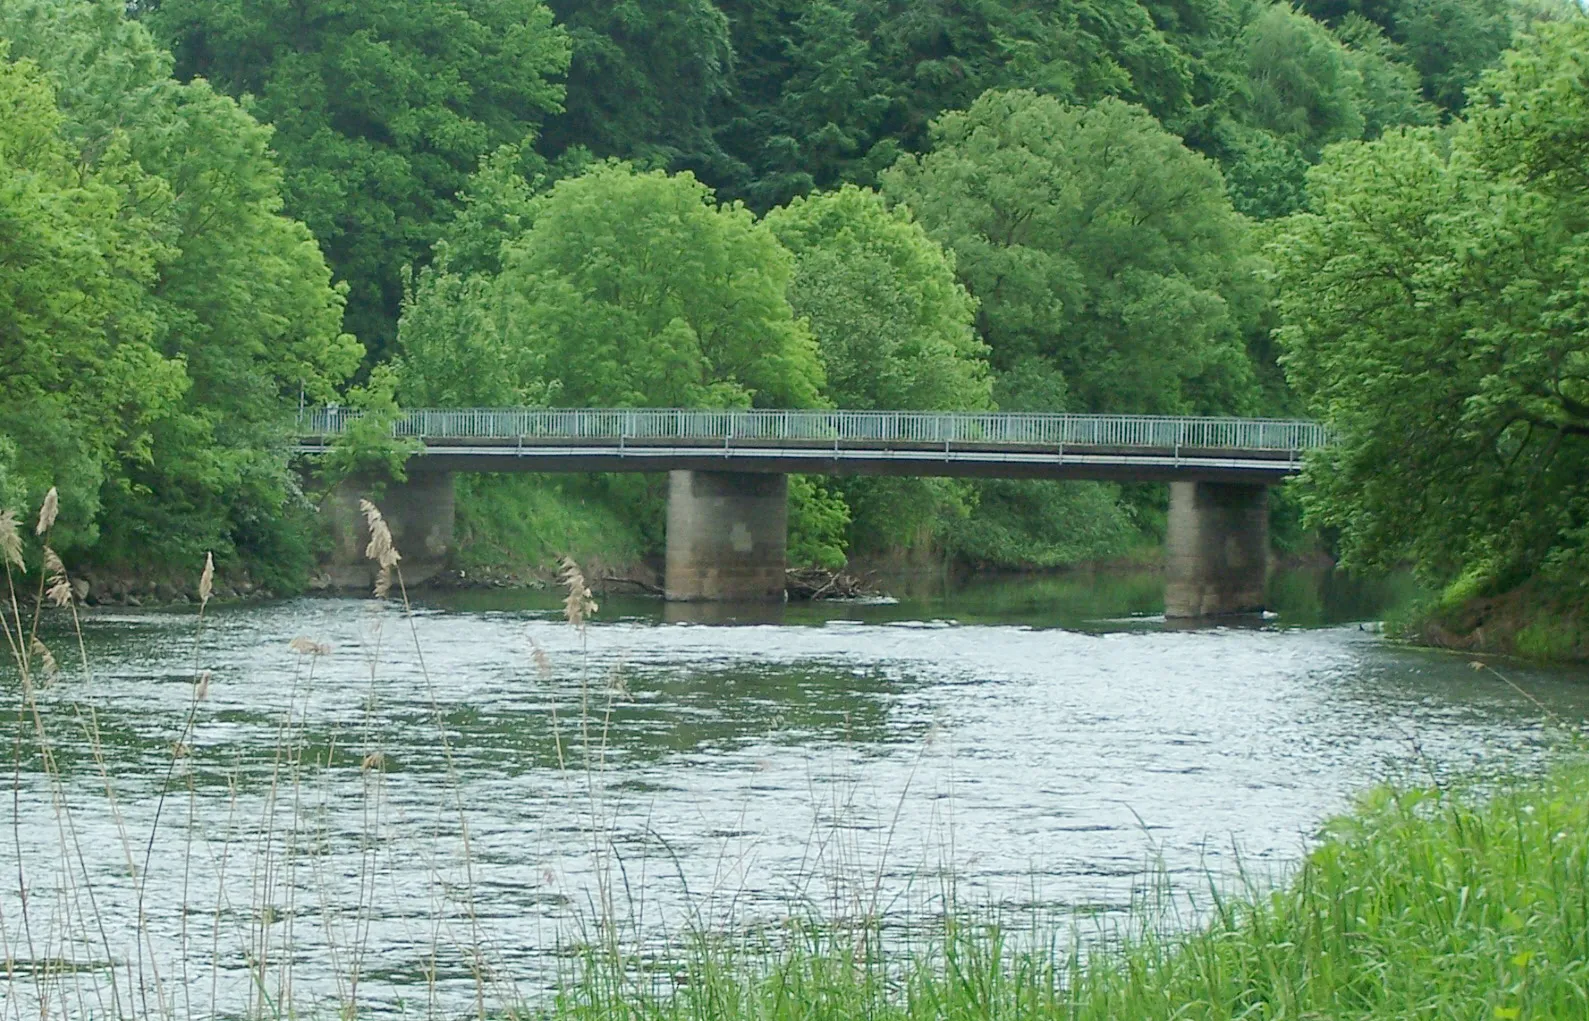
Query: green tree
point(1388, 95)
point(452, 351)
point(382, 109)
point(1448, 43)
point(1301, 88)
point(1434, 311)
point(1112, 274)
point(1302, 84)
point(1452, 42)
point(1267, 175)
point(614, 288)
point(239, 307)
point(809, 103)
point(1095, 241)
point(895, 330)
point(644, 79)
point(83, 381)
point(638, 289)
point(831, 91)
point(894, 327)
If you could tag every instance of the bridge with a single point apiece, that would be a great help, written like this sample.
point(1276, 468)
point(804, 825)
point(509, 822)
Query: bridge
point(727, 502)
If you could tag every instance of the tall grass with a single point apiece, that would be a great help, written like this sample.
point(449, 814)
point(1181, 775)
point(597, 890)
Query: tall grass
point(1418, 904)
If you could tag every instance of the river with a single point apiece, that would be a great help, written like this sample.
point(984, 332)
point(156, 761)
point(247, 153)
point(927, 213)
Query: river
point(1041, 748)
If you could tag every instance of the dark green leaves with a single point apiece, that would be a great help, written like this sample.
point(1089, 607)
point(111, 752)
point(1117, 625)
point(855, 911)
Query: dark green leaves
point(382, 109)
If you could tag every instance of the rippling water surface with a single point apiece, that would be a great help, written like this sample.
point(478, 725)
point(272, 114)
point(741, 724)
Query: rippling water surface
point(1033, 745)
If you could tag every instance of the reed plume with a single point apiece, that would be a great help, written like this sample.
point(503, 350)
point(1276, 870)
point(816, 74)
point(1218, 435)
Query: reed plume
point(47, 658)
point(58, 587)
point(381, 550)
point(47, 512)
point(579, 604)
point(207, 580)
point(11, 539)
point(309, 647)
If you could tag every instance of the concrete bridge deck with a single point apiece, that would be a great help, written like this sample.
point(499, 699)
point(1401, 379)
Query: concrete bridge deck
point(1022, 446)
point(728, 487)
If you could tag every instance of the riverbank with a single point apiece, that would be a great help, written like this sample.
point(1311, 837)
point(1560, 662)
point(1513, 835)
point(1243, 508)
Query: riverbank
point(1421, 903)
point(1536, 621)
point(100, 586)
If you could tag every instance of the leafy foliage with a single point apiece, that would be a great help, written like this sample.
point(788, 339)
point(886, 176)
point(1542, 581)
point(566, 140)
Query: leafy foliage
point(1063, 223)
point(894, 327)
point(367, 448)
point(830, 91)
point(1303, 86)
point(1096, 242)
point(1434, 309)
point(382, 109)
point(74, 396)
point(894, 330)
point(204, 313)
point(639, 290)
point(644, 79)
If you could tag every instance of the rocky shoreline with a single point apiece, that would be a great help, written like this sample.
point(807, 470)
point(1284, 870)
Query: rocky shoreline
point(113, 589)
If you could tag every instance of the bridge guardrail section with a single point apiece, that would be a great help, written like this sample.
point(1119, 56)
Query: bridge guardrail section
point(844, 429)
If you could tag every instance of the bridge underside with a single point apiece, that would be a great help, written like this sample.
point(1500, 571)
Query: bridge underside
point(1094, 464)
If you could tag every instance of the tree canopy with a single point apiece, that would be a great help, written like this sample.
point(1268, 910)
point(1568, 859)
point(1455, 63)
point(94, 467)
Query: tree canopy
point(636, 289)
point(1433, 309)
point(382, 109)
point(204, 312)
point(894, 327)
point(218, 209)
point(1097, 244)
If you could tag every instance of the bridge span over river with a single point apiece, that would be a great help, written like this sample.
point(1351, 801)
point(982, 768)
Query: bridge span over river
point(728, 488)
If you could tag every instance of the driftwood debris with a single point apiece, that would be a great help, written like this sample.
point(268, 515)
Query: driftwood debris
point(645, 586)
point(804, 584)
point(813, 583)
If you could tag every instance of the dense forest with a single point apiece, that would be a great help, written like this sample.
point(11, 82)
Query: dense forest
point(1371, 211)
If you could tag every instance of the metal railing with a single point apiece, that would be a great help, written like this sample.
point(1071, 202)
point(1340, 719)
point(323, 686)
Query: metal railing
point(797, 428)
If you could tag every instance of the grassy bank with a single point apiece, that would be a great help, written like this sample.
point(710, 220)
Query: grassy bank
point(519, 527)
point(1420, 904)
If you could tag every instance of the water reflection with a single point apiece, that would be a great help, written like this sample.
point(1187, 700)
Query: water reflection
point(1093, 601)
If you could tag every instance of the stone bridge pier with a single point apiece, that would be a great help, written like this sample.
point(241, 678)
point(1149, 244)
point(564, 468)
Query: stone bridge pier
point(1217, 549)
point(728, 536)
point(420, 513)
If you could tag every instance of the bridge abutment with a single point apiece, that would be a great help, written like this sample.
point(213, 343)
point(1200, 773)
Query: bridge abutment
point(420, 512)
point(1217, 549)
point(728, 535)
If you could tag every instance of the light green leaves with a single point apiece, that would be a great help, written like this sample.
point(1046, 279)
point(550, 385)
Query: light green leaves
point(189, 314)
point(895, 329)
point(624, 289)
point(638, 289)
